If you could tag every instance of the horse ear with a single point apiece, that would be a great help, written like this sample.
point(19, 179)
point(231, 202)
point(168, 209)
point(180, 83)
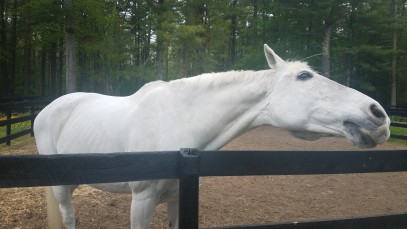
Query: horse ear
point(272, 58)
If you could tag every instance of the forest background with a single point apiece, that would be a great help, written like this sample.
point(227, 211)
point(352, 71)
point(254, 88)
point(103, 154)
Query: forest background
point(53, 47)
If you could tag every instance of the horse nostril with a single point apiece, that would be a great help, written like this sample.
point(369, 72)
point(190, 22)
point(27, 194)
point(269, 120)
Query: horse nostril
point(377, 112)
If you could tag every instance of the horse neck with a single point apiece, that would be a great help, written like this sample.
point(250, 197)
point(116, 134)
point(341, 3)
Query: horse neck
point(226, 105)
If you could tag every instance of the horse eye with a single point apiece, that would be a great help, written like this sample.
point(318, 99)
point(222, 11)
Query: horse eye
point(304, 75)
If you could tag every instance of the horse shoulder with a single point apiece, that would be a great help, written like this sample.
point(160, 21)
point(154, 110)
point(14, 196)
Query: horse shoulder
point(152, 95)
point(148, 87)
point(156, 111)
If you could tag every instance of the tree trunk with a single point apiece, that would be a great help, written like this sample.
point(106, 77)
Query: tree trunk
point(160, 42)
point(192, 61)
point(43, 72)
point(13, 47)
point(348, 56)
point(27, 51)
point(233, 36)
point(53, 70)
point(393, 10)
point(326, 56)
point(60, 79)
point(3, 49)
point(70, 49)
point(84, 79)
point(394, 72)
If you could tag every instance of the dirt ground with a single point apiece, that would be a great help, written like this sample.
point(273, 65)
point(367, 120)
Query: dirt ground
point(233, 200)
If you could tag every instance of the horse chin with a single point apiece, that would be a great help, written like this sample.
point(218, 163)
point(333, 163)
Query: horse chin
point(307, 135)
point(358, 136)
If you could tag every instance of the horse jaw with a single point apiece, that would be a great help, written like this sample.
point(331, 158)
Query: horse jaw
point(308, 135)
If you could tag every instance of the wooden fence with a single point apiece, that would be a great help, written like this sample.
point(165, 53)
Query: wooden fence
point(29, 109)
point(399, 112)
point(188, 165)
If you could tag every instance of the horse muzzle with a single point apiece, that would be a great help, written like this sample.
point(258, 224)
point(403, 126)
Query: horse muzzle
point(370, 131)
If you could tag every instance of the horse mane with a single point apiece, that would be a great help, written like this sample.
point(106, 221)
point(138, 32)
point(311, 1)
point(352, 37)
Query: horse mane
point(222, 79)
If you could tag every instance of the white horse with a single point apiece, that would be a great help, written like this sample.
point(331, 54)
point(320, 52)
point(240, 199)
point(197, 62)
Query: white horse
point(204, 112)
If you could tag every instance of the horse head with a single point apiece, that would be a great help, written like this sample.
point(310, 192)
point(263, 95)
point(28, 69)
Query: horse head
point(312, 106)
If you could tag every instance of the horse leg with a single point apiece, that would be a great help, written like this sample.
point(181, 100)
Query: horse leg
point(173, 208)
point(63, 194)
point(53, 213)
point(142, 209)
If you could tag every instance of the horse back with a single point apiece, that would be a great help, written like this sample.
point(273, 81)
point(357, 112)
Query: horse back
point(93, 123)
point(50, 122)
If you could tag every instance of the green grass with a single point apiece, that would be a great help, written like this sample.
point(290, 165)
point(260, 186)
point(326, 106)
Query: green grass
point(398, 119)
point(17, 143)
point(15, 128)
point(398, 130)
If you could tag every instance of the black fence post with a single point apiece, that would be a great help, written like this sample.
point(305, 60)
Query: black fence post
point(32, 114)
point(188, 169)
point(8, 127)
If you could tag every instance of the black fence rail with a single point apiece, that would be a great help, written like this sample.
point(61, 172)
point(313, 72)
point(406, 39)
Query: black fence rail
point(29, 109)
point(188, 165)
point(398, 112)
point(401, 125)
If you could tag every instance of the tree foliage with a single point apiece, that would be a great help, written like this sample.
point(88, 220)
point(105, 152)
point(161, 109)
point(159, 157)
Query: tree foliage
point(120, 45)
